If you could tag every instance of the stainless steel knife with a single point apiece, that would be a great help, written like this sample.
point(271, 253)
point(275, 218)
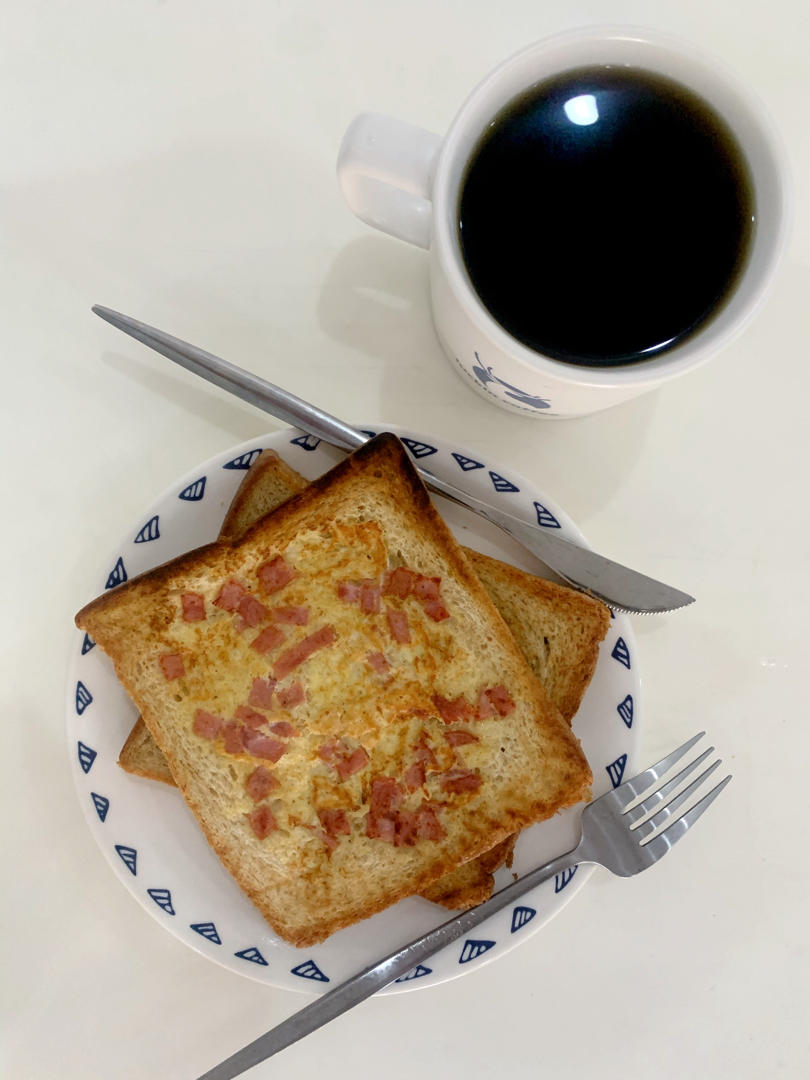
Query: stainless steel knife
point(617, 586)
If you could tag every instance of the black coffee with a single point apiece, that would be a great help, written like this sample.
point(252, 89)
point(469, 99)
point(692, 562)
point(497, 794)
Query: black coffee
point(605, 215)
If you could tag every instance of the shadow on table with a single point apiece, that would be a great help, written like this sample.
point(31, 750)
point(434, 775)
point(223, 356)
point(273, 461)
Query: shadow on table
point(375, 300)
point(192, 394)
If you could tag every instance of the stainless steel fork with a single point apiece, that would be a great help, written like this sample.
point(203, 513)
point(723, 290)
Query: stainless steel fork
point(620, 831)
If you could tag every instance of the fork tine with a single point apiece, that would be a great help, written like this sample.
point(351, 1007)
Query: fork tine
point(669, 836)
point(661, 793)
point(637, 785)
point(662, 813)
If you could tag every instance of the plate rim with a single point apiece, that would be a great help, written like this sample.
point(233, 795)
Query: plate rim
point(271, 439)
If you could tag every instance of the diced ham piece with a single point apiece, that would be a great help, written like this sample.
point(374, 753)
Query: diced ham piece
point(369, 597)
point(500, 698)
point(381, 828)
point(229, 596)
point(206, 724)
point(252, 718)
point(455, 710)
point(386, 796)
point(330, 752)
point(346, 761)
point(252, 611)
point(335, 823)
point(377, 662)
point(426, 588)
point(435, 609)
point(268, 639)
point(292, 695)
point(406, 831)
point(398, 625)
point(458, 781)
point(263, 746)
point(414, 825)
point(427, 592)
point(399, 582)
point(330, 841)
point(172, 665)
point(262, 821)
point(414, 777)
point(429, 827)
point(284, 729)
point(274, 575)
point(485, 706)
point(352, 764)
point(234, 737)
point(260, 783)
point(193, 606)
point(424, 753)
point(297, 654)
point(261, 693)
point(349, 592)
point(460, 738)
point(291, 616)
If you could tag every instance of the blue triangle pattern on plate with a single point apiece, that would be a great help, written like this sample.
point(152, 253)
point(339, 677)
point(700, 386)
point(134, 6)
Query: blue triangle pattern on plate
point(473, 949)
point(253, 955)
point(521, 915)
point(415, 973)
point(129, 857)
point(117, 575)
point(150, 531)
point(306, 442)
point(206, 930)
point(244, 461)
point(615, 770)
point(545, 517)
point(371, 434)
point(83, 697)
point(86, 757)
point(563, 878)
point(87, 644)
point(621, 652)
point(194, 492)
point(625, 710)
point(467, 463)
point(163, 899)
point(500, 483)
point(309, 970)
point(419, 449)
point(101, 803)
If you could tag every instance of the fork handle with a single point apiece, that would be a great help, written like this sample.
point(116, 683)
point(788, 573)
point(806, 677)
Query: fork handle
point(374, 978)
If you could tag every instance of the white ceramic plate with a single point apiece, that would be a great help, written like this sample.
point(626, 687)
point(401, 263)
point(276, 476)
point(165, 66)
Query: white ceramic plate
point(151, 839)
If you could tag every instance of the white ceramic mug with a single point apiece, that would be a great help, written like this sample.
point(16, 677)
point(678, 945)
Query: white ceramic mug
point(405, 181)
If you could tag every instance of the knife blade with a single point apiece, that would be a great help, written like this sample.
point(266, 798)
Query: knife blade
point(615, 585)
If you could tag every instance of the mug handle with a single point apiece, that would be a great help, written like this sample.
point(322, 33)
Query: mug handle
point(385, 169)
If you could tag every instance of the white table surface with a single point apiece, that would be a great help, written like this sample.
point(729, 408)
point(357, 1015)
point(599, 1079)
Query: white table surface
point(175, 160)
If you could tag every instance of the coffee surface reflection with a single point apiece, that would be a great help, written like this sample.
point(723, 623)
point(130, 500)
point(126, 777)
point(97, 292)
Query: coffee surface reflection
point(605, 215)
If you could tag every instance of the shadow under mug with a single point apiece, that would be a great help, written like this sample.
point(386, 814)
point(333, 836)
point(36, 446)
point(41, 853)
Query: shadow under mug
point(406, 181)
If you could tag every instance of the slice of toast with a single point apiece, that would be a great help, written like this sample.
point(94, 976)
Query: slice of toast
point(557, 629)
point(340, 703)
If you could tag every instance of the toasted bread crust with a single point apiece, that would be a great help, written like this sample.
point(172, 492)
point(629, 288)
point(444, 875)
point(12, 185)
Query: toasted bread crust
point(548, 772)
point(268, 483)
point(141, 755)
point(573, 626)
